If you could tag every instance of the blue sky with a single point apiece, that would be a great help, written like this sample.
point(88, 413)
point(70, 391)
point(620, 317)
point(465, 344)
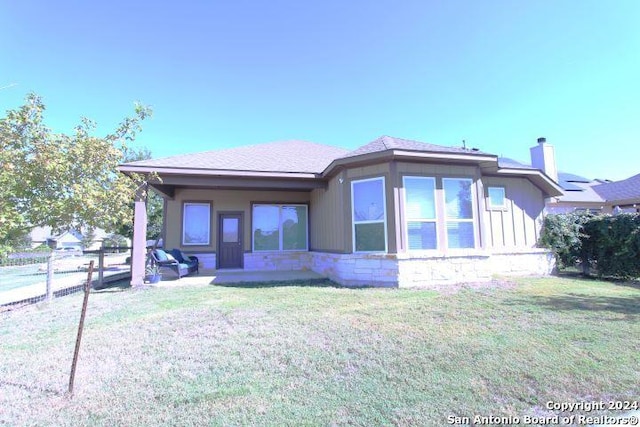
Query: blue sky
point(497, 74)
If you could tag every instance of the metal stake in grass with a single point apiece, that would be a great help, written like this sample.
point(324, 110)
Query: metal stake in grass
point(87, 287)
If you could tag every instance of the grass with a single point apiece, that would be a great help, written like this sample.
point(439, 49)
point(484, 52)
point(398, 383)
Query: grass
point(320, 355)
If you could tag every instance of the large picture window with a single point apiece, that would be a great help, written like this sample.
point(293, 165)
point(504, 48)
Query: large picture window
point(369, 215)
point(459, 212)
point(420, 212)
point(196, 224)
point(280, 227)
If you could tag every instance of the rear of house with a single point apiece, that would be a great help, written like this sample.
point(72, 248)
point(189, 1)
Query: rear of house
point(394, 212)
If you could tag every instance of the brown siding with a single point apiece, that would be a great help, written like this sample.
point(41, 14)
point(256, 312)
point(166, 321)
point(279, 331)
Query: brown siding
point(517, 226)
point(326, 217)
point(222, 200)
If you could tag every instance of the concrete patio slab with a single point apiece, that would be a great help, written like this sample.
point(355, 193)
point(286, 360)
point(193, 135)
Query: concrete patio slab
point(237, 276)
point(223, 277)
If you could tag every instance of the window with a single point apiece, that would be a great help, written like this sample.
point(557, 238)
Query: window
point(196, 223)
point(369, 215)
point(459, 212)
point(230, 230)
point(420, 212)
point(280, 227)
point(497, 198)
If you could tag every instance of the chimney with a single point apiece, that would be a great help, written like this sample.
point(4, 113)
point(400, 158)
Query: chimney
point(543, 157)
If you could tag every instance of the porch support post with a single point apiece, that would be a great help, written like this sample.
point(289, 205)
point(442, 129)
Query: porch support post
point(139, 251)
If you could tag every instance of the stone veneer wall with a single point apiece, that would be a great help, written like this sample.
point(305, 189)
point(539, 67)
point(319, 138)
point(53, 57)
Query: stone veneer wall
point(206, 261)
point(428, 271)
point(357, 269)
point(523, 262)
point(408, 270)
point(269, 261)
point(402, 270)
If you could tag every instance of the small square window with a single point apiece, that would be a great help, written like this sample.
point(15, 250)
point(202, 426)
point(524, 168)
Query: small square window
point(497, 198)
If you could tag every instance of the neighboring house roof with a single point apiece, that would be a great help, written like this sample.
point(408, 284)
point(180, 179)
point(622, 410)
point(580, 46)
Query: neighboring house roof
point(627, 190)
point(570, 177)
point(577, 188)
point(284, 156)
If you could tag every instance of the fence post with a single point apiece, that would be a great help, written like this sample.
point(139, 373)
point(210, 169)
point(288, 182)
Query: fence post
point(87, 288)
point(100, 267)
point(49, 286)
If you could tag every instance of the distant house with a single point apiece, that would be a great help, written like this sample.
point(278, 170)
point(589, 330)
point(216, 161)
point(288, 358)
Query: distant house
point(68, 238)
point(393, 212)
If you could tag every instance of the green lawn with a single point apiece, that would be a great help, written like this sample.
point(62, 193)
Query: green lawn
point(320, 355)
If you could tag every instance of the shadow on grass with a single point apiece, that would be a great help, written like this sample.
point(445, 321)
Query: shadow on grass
point(31, 388)
point(577, 275)
point(117, 286)
point(629, 306)
point(315, 283)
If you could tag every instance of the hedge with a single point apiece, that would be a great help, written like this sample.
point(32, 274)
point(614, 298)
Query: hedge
point(607, 245)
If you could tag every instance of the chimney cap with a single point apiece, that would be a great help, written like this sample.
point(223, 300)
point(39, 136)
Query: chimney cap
point(542, 140)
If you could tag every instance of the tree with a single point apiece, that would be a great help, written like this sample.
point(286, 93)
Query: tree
point(60, 180)
point(88, 236)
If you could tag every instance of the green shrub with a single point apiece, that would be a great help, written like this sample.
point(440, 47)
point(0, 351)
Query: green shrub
point(563, 234)
point(608, 244)
point(612, 245)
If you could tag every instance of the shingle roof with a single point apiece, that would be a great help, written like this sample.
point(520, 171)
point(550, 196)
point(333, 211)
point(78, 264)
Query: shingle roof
point(570, 177)
point(284, 156)
point(580, 192)
point(385, 143)
point(620, 190)
point(505, 162)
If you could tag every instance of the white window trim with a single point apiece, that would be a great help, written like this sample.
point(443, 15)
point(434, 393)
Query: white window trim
point(407, 220)
point(472, 220)
point(491, 206)
point(383, 221)
point(280, 231)
point(184, 223)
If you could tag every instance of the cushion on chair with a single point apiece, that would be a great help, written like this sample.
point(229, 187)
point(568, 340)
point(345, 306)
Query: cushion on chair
point(161, 255)
point(177, 254)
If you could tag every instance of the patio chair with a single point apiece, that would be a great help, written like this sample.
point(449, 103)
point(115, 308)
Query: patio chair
point(191, 261)
point(169, 266)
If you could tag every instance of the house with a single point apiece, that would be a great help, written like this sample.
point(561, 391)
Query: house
point(68, 238)
point(394, 212)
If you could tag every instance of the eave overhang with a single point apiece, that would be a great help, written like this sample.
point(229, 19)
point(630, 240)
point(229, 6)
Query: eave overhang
point(537, 177)
point(166, 180)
